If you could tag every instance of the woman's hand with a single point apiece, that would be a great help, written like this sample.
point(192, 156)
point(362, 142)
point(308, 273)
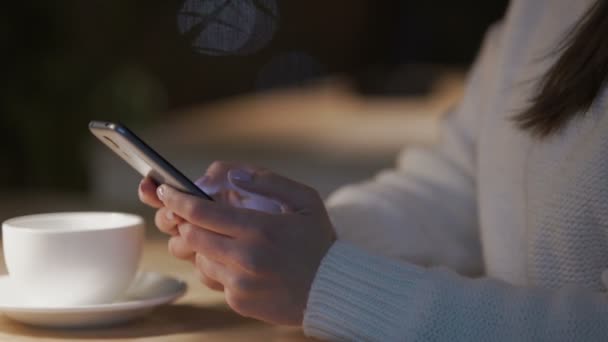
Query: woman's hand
point(215, 183)
point(264, 260)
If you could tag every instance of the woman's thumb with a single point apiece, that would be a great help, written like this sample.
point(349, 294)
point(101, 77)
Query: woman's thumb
point(262, 182)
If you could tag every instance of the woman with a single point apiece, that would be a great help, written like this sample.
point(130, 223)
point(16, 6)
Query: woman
point(498, 233)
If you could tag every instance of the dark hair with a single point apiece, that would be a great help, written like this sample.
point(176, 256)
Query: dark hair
point(570, 86)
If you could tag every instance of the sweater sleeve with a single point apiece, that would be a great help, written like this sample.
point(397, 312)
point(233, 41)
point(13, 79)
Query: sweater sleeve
point(425, 210)
point(357, 296)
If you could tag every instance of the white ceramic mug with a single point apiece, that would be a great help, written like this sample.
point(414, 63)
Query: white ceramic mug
point(72, 258)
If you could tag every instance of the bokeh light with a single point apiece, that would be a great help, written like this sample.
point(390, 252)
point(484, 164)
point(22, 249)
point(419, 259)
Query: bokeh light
point(227, 27)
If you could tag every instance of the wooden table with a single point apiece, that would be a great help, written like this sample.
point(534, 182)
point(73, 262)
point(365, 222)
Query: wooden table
point(201, 315)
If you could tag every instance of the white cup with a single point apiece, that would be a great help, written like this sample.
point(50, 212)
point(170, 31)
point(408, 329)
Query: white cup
point(72, 258)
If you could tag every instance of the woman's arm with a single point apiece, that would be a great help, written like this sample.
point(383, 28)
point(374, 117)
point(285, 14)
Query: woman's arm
point(357, 296)
point(425, 210)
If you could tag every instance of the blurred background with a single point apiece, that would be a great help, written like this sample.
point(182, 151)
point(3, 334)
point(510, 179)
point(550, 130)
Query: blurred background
point(326, 92)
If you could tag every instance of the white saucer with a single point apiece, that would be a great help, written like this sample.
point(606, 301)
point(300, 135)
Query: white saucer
point(148, 291)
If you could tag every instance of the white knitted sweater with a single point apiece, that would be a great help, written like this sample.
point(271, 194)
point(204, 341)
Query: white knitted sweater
point(490, 236)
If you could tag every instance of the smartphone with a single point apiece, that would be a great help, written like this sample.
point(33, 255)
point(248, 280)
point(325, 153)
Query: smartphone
point(142, 157)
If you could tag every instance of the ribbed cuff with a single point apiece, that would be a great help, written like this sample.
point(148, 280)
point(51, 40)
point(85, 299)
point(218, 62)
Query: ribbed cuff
point(358, 296)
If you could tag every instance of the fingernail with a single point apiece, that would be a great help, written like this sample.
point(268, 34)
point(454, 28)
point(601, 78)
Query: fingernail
point(161, 192)
point(144, 185)
point(240, 175)
point(169, 215)
point(184, 229)
point(201, 182)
